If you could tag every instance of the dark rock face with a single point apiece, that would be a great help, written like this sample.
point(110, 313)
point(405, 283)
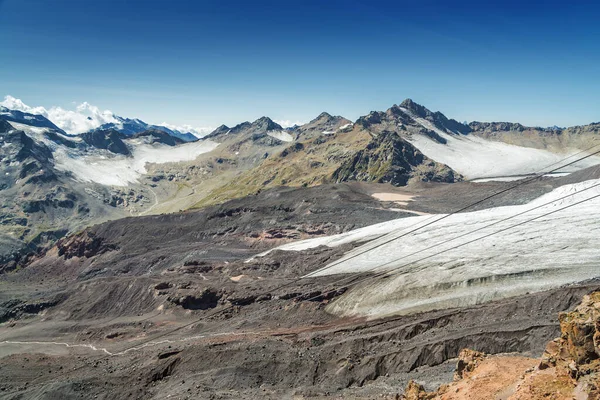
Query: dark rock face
point(437, 118)
point(292, 149)
point(158, 136)
point(265, 124)
point(5, 126)
point(390, 159)
point(374, 117)
point(29, 119)
point(257, 130)
point(33, 206)
point(208, 298)
point(110, 140)
point(496, 126)
point(25, 160)
point(58, 139)
point(28, 147)
point(241, 127)
point(84, 245)
point(14, 309)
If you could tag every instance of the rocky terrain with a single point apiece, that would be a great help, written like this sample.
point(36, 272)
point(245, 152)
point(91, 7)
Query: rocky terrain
point(583, 136)
point(139, 265)
point(568, 369)
point(157, 306)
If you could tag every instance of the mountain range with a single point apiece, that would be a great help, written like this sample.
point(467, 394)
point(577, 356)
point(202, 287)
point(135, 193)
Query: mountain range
point(131, 127)
point(263, 261)
point(126, 126)
point(64, 182)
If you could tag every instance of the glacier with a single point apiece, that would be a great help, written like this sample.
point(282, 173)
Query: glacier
point(111, 169)
point(478, 158)
point(552, 251)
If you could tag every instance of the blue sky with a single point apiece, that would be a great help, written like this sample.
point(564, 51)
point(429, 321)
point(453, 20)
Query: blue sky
point(210, 62)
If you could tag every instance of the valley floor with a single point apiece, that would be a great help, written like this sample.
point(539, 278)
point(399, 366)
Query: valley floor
point(170, 307)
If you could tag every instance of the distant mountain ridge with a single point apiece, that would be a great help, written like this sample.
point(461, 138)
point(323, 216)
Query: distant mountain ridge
point(260, 126)
point(38, 121)
point(131, 127)
point(125, 126)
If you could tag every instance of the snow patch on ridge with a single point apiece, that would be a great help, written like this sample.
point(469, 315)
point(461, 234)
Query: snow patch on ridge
point(281, 135)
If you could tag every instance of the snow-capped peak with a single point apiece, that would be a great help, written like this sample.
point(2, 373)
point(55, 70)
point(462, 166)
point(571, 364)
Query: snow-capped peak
point(84, 118)
point(87, 117)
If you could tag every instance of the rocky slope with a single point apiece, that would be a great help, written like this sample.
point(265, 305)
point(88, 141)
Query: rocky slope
point(350, 152)
point(568, 369)
point(405, 144)
point(556, 139)
point(323, 124)
point(389, 159)
point(213, 324)
point(41, 201)
point(110, 140)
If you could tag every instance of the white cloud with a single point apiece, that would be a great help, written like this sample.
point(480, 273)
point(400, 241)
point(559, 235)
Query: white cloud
point(286, 123)
point(84, 118)
point(16, 104)
point(198, 131)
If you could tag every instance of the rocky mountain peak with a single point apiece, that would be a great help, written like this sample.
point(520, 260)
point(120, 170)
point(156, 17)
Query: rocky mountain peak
point(266, 124)
point(416, 108)
point(322, 116)
point(134, 126)
point(221, 129)
point(25, 159)
point(373, 118)
point(436, 118)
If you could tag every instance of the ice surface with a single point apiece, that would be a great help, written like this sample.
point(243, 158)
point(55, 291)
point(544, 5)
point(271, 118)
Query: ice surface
point(552, 251)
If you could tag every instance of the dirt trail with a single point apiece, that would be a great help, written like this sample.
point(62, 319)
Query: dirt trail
point(152, 206)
